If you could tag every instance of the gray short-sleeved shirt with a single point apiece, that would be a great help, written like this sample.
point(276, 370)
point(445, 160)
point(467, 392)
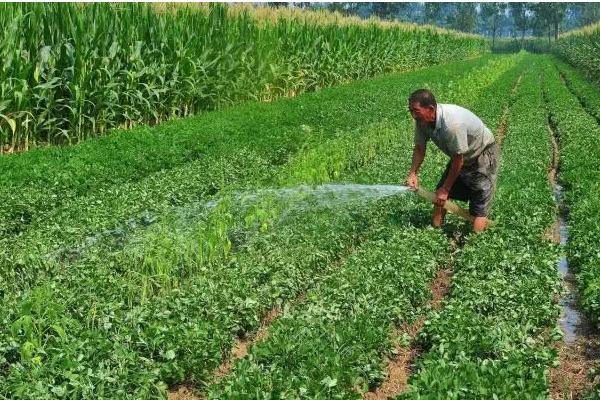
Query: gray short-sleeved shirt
point(457, 131)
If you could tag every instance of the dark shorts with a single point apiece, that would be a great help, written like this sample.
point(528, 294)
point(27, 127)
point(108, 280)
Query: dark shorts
point(476, 182)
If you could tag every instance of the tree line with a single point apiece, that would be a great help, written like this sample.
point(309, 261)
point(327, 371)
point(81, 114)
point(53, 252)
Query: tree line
point(496, 19)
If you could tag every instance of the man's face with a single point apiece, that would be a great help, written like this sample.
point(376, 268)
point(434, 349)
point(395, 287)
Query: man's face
point(422, 114)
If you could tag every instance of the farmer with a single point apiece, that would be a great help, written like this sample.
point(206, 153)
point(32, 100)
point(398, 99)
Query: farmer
point(471, 172)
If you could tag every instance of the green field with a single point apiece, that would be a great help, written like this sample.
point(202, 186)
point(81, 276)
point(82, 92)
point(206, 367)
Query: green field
point(75, 71)
point(137, 263)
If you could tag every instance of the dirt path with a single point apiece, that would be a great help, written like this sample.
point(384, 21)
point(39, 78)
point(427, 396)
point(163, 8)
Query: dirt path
point(501, 132)
point(242, 345)
point(580, 347)
point(399, 368)
point(239, 350)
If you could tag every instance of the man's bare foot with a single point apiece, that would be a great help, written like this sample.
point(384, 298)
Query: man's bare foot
point(479, 224)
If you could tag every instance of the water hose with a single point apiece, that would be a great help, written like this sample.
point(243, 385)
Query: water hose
point(448, 205)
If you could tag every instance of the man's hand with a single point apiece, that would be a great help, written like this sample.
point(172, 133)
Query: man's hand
point(441, 195)
point(412, 181)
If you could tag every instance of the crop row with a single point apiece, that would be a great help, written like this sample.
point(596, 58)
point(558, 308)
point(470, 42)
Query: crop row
point(580, 49)
point(131, 287)
point(331, 159)
point(138, 328)
point(67, 226)
point(332, 347)
point(36, 182)
point(276, 261)
point(74, 72)
point(578, 134)
point(492, 339)
point(587, 93)
point(145, 306)
point(70, 225)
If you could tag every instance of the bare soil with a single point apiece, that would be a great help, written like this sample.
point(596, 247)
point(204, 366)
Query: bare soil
point(504, 120)
point(242, 345)
point(398, 369)
point(182, 392)
point(570, 379)
point(239, 350)
point(552, 233)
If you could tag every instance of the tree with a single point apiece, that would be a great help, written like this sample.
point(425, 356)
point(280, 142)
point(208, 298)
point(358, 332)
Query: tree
point(521, 18)
point(411, 12)
point(463, 17)
point(388, 10)
point(492, 14)
point(306, 5)
point(590, 13)
point(548, 17)
point(432, 13)
point(347, 8)
point(556, 14)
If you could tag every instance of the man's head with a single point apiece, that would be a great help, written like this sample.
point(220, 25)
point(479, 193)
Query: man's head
point(422, 106)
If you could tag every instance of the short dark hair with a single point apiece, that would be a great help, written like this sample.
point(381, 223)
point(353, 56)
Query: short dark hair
point(422, 96)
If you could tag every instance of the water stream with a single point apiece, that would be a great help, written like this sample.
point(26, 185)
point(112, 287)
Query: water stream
point(303, 197)
point(571, 321)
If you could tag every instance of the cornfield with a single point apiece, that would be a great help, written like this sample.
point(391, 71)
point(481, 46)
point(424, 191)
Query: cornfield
point(72, 72)
point(581, 48)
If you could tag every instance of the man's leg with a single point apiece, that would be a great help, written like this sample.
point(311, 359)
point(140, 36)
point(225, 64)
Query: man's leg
point(439, 214)
point(484, 187)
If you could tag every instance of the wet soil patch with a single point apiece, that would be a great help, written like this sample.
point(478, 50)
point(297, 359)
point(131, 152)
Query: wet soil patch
point(580, 346)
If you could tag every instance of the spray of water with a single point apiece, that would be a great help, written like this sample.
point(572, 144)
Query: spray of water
point(303, 196)
point(329, 193)
point(291, 199)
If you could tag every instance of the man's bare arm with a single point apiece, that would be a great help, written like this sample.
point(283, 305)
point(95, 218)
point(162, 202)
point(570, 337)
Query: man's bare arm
point(417, 159)
point(455, 167)
point(441, 195)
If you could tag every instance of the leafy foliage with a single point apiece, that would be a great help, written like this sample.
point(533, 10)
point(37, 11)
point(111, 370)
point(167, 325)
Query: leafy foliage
point(172, 290)
point(491, 340)
point(578, 171)
point(72, 72)
point(273, 131)
point(581, 49)
point(143, 278)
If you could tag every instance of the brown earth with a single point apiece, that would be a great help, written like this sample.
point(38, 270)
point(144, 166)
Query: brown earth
point(182, 392)
point(501, 133)
point(552, 233)
point(243, 344)
point(570, 380)
point(398, 368)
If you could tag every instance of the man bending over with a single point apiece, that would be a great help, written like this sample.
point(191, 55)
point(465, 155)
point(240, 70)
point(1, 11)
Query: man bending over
point(471, 172)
